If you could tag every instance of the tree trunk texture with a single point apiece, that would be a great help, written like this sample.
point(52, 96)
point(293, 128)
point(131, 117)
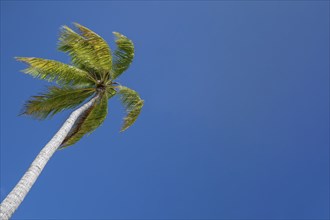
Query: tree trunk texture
point(16, 196)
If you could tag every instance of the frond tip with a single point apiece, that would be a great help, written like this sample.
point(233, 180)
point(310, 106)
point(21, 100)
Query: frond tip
point(123, 55)
point(133, 105)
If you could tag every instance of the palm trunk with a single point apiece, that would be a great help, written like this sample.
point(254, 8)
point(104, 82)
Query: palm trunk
point(16, 196)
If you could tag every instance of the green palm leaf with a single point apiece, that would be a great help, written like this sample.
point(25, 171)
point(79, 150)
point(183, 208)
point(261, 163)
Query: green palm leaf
point(110, 92)
point(123, 55)
point(91, 119)
point(56, 100)
point(87, 50)
point(132, 103)
point(52, 70)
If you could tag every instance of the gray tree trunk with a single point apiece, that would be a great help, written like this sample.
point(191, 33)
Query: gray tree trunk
point(16, 196)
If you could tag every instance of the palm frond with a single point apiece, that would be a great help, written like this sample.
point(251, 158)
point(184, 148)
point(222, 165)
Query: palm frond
point(87, 50)
point(132, 103)
point(91, 119)
point(52, 70)
point(110, 92)
point(123, 55)
point(56, 100)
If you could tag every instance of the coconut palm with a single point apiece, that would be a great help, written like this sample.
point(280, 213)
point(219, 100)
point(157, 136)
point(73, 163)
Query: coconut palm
point(88, 83)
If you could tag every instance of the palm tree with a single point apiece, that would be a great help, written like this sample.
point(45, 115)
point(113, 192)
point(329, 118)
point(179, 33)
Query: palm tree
point(88, 83)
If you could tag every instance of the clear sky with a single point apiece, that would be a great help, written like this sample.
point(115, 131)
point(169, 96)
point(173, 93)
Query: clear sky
point(235, 122)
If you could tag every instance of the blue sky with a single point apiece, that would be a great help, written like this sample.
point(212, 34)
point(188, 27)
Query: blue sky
point(235, 122)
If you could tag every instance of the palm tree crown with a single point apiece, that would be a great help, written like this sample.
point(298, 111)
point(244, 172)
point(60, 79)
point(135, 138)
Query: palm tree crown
point(92, 73)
